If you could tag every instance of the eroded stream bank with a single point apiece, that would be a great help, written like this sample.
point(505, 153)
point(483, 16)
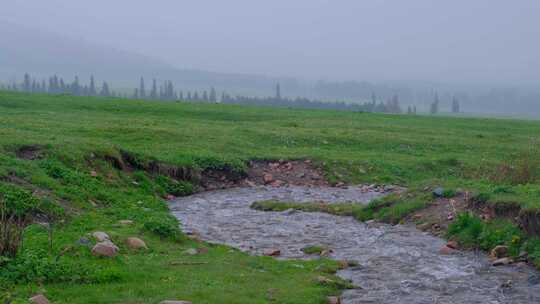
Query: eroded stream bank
point(397, 264)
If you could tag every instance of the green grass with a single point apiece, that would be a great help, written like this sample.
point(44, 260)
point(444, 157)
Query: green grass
point(390, 209)
point(471, 232)
point(76, 134)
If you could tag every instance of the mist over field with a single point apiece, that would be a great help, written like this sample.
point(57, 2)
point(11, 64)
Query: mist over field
point(486, 53)
point(278, 151)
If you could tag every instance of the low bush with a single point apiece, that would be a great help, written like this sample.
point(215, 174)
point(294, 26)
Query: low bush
point(471, 232)
point(165, 226)
point(532, 246)
point(174, 187)
point(17, 208)
point(449, 193)
point(38, 266)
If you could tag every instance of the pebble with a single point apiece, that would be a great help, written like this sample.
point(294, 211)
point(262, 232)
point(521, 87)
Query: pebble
point(83, 241)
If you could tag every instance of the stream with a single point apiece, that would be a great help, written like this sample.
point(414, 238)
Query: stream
point(397, 264)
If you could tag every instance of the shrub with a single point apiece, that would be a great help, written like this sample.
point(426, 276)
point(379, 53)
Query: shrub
point(501, 233)
point(38, 267)
point(166, 226)
point(17, 208)
point(481, 197)
point(466, 229)
point(472, 232)
point(449, 193)
point(174, 187)
point(532, 246)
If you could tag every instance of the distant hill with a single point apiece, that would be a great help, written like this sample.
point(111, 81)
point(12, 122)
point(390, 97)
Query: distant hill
point(42, 54)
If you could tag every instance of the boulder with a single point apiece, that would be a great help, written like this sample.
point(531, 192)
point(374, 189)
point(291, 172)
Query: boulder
point(272, 252)
point(125, 222)
point(445, 250)
point(438, 192)
point(499, 252)
point(452, 244)
point(105, 249)
point(101, 236)
point(502, 262)
point(93, 173)
point(39, 299)
point(135, 243)
point(333, 300)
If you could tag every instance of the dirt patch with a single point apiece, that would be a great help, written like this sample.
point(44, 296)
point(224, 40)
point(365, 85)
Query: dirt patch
point(272, 173)
point(212, 179)
point(281, 173)
point(440, 214)
point(29, 152)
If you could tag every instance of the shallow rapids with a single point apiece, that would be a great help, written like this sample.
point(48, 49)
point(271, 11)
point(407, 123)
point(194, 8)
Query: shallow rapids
point(398, 264)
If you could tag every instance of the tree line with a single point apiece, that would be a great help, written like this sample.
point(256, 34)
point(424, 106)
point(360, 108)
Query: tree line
point(166, 91)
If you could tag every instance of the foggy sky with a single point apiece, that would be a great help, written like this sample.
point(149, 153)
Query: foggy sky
point(460, 41)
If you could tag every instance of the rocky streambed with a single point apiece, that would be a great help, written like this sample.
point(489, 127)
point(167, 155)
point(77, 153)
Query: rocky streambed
point(397, 264)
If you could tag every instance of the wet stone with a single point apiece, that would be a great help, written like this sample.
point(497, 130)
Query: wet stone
point(400, 264)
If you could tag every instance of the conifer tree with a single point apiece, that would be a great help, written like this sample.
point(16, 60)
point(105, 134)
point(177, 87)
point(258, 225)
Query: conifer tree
point(92, 89)
point(435, 105)
point(213, 95)
point(27, 85)
point(154, 92)
point(205, 96)
point(455, 105)
point(142, 90)
point(105, 90)
point(278, 91)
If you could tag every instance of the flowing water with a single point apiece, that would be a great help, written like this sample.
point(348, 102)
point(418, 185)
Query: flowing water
point(397, 264)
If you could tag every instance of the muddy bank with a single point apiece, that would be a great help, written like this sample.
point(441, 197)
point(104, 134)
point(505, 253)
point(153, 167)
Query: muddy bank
point(397, 264)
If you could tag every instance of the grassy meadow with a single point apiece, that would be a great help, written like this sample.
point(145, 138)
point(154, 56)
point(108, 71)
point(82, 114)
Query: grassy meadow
point(495, 157)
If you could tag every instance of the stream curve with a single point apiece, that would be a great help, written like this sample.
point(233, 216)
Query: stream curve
point(397, 264)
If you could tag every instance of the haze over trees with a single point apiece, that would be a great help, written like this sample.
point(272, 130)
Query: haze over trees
point(66, 57)
point(167, 91)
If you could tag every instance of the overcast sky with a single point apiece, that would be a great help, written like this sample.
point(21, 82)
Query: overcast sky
point(479, 41)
